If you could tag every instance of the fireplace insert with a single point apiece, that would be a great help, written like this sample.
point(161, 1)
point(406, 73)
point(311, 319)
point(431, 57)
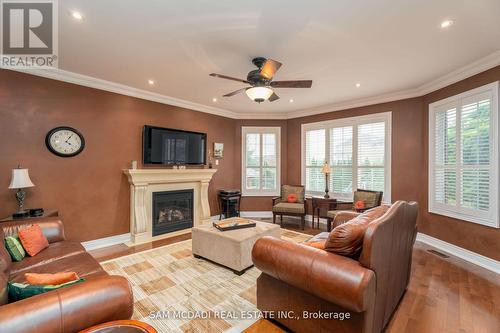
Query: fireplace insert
point(172, 211)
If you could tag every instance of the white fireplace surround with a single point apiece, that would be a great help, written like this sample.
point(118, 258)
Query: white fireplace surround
point(144, 182)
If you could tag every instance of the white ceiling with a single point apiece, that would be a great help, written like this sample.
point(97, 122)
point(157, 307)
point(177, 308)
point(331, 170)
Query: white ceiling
point(386, 45)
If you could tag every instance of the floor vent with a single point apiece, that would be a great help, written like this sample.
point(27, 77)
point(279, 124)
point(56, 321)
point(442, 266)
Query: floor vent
point(266, 218)
point(440, 254)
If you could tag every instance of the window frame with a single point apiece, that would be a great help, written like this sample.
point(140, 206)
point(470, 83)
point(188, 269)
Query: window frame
point(385, 117)
point(276, 130)
point(492, 217)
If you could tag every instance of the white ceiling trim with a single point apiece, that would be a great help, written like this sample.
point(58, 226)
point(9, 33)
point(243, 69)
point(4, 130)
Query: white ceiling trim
point(92, 82)
point(476, 67)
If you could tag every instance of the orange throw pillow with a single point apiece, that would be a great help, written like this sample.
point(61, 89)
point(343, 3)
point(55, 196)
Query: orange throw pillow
point(292, 198)
point(316, 244)
point(50, 279)
point(33, 239)
point(360, 204)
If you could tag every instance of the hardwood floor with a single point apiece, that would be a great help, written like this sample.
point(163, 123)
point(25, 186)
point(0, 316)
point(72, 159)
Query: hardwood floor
point(444, 295)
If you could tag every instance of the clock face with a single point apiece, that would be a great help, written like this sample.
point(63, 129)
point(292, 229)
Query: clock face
point(65, 141)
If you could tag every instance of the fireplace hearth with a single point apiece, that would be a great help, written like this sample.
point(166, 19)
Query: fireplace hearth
point(172, 211)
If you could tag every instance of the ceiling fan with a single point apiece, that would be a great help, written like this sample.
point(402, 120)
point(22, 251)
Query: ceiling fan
point(261, 81)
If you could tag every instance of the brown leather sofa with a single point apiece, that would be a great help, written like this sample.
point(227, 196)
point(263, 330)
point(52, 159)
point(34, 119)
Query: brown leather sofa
point(99, 299)
point(300, 278)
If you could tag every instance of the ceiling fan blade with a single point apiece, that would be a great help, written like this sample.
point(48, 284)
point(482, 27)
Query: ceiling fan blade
point(235, 92)
point(270, 68)
point(292, 84)
point(273, 97)
point(228, 77)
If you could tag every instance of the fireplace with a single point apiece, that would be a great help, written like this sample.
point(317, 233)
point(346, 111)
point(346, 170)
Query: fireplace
point(172, 211)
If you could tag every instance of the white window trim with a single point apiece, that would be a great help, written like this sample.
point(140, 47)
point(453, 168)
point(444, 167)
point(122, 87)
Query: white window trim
point(351, 121)
point(492, 220)
point(262, 130)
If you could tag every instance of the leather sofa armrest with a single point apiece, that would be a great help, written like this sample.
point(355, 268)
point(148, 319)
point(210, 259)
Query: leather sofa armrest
point(52, 228)
point(70, 309)
point(336, 279)
point(344, 216)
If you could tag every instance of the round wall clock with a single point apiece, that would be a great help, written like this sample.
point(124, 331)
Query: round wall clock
point(65, 141)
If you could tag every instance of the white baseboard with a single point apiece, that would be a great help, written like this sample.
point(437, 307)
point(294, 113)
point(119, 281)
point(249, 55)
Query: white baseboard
point(106, 241)
point(461, 253)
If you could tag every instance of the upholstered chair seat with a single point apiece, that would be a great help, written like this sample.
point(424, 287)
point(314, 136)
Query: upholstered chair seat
point(287, 207)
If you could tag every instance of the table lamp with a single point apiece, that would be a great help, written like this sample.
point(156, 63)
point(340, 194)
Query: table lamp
point(20, 180)
point(326, 170)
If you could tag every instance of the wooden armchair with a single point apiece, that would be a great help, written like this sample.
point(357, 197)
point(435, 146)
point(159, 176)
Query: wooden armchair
point(370, 198)
point(281, 206)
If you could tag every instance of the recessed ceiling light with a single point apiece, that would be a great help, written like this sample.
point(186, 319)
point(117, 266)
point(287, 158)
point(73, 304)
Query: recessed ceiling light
point(151, 82)
point(358, 85)
point(291, 100)
point(214, 99)
point(77, 15)
point(446, 23)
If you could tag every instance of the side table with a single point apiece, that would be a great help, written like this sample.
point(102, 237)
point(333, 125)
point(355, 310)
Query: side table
point(320, 206)
point(47, 213)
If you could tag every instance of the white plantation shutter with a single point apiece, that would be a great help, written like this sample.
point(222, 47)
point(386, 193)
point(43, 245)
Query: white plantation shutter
point(446, 151)
point(463, 156)
point(315, 159)
point(358, 151)
point(341, 159)
point(260, 155)
point(371, 156)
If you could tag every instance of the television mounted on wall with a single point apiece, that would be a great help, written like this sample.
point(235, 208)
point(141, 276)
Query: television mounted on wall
point(168, 146)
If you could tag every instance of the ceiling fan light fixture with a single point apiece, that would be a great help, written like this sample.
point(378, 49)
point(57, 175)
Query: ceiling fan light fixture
point(259, 94)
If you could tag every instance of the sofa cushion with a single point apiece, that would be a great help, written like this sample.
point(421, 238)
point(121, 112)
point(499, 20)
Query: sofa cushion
point(287, 207)
point(54, 252)
point(82, 264)
point(347, 238)
point(33, 240)
point(15, 249)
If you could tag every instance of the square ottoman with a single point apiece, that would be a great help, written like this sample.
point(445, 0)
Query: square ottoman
point(232, 248)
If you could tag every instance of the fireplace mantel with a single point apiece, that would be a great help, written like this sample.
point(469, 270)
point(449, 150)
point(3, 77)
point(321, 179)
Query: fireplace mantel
point(143, 182)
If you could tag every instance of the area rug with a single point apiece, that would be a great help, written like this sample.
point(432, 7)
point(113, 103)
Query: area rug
point(175, 292)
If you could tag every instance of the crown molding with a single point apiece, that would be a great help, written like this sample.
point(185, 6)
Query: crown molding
point(92, 82)
point(462, 73)
point(457, 75)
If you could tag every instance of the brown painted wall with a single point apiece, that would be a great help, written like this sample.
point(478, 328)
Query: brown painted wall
point(89, 190)
point(474, 237)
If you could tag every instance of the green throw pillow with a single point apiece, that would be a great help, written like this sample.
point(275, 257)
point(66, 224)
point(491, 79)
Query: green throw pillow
point(19, 291)
point(15, 248)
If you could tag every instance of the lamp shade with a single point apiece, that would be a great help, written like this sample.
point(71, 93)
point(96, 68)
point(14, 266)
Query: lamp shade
point(20, 179)
point(259, 94)
point(326, 168)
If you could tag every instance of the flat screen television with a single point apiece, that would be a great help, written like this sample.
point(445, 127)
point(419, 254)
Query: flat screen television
point(173, 147)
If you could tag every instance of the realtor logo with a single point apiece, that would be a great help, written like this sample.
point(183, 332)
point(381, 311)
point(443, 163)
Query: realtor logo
point(29, 34)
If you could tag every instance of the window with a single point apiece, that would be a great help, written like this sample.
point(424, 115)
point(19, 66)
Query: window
point(357, 150)
point(463, 156)
point(261, 161)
